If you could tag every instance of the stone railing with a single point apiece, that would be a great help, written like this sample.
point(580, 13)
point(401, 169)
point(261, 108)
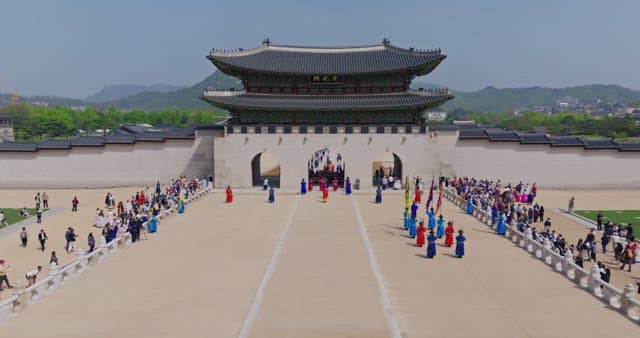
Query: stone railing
point(590, 281)
point(59, 276)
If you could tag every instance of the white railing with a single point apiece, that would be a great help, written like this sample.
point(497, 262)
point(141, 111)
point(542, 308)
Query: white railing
point(590, 281)
point(59, 276)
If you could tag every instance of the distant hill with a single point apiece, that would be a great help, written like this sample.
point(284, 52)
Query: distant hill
point(183, 98)
point(491, 99)
point(110, 93)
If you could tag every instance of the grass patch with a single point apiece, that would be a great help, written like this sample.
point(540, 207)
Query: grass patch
point(615, 216)
point(12, 216)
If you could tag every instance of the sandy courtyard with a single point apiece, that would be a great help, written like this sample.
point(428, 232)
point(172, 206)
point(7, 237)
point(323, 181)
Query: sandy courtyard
point(300, 268)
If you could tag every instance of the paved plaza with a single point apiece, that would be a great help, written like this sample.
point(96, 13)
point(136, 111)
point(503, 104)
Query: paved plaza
point(301, 268)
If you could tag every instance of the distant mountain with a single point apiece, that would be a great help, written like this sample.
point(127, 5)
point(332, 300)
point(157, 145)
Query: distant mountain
point(110, 93)
point(491, 99)
point(184, 98)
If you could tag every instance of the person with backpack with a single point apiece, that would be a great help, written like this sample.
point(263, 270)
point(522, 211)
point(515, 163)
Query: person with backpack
point(627, 257)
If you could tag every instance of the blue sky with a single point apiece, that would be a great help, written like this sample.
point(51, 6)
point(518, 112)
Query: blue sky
point(74, 48)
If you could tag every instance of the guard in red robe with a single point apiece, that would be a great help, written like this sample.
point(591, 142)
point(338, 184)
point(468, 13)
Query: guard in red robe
point(310, 185)
point(335, 184)
point(229, 194)
point(418, 197)
point(421, 231)
point(322, 184)
point(448, 232)
point(325, 195)
point(142, 198)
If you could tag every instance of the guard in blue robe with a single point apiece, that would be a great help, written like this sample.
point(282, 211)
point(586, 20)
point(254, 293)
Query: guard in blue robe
point(432, 219)
point(431, 245)
point(414, 210)
point(501, 228)
point(347, 186)
point(470, 206)
point(494, 214)
point(272, 195)
point(181, 207)
point(413, 227)
point(407, 220)
point(379, 195)
point(303, 187)
point(460, 244)
point(440, 231)
point(153, 224)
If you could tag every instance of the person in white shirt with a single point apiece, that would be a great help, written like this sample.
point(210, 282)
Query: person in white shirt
point(32, 275)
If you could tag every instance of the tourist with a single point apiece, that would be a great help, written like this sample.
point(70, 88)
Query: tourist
point(53, 259)
point(604, 240)
point(229, 193)
point(32, 275)
point(347, 186)
point(91, 242)
point(24, 237)
point(325, 195)
point(460, 244)
point(3, 274)
point(449, 231)
point(272, 195)
point(421, 232)
point(45, 200)
point(42, 238)
point(431, 245)
point(599, 219)
point(579, 261)
point(303, 187)
point(70, 237)
point(541, 212)
point(265, 184)
point(158, 188)
point(379, 195)
point(627, 257)
point(547, 224)
point(38, 200)
point(572, 204)
point(38, 215)
point(74, 204)
point(440, 229)
point(3, 219)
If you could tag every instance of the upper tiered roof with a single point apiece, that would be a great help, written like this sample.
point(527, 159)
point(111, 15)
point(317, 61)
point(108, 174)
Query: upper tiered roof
point(283, 59)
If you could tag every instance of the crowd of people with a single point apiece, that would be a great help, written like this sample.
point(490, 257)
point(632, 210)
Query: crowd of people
point(327, 165)
point(135, 215)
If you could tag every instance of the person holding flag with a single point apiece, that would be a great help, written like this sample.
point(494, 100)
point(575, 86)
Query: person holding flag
point(432, 219)
point(418, 195)
point(440, 231)
point(412, 227)
point(439, 204)
point(407, 220)
point(414, 209)
point(430, 198)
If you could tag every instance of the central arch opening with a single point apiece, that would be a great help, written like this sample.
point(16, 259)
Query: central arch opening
point(386, 167)
point(265, 166)
point(328, 165)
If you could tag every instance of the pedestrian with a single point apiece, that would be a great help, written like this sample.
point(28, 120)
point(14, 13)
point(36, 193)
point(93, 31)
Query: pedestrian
point(599, 220)
point(42, 238)
point(265, 184)
point(431, 244)
point(45, 200)
point(32, 275)
point(627, 258)
point(572, 204)
point(272, 195)
point(39, 215)
point(72, 241)
point(378, 195)
point(460, 239)
point(53, 259)
point(547, 224)
point(3, 219)
point(24, 237)
point(91, 242)
point(74, 204)
point(38, 200)
point(3, 274)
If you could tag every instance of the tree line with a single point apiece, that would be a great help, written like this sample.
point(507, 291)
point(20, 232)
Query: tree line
point(34, 123)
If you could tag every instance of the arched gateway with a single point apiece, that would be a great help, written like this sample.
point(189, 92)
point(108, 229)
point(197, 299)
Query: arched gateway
point(304, 99)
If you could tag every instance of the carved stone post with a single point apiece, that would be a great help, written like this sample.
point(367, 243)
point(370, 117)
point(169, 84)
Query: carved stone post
point(625, 300)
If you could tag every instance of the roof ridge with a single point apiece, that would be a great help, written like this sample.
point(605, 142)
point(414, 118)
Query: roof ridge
point(320, 49)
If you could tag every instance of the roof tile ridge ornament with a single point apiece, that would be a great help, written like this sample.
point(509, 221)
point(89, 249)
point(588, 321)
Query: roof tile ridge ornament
point(236, 52)
point(209, 91)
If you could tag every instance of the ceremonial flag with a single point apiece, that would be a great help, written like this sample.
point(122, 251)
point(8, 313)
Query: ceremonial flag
point(439, 204)
point(430, 199)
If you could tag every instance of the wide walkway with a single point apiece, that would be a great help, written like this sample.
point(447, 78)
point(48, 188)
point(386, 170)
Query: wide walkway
point(200, 275)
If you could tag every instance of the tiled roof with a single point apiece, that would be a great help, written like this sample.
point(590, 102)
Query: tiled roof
point(410, 99)
point(283, 59)
point(88, 141)
point(443, 127)
point(600, 144)
point(120, 139)
point(565, 141)
point(503, 136)
point(7, 116)
point(186, 133)
point(18, 146)
point(472, 134)
point(532, 138)
point(55, 144)
point(629, 146)
point(151, 136)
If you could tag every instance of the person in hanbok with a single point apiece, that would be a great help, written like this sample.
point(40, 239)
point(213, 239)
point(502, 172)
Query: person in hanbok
point(379, 195)
point(303, 187)
point(407, 199)
point(432, 219)
point(449, 231)
point(470, 205)
point(412, 227)
point(142, 198)
point(347, 186)
point(414, 210)
point(431, 244)
point(418, 197)
point(494, 214)
point(229, 193)
point(153, 224)
point(325, 195)
point(335, 184)
point(421, 231)
point(322, 184)
point(310, 185)
point(407, 220)
point(440, 231)
point(460, 244)
point(272, 195)
point(501, 228)
point(181, 204)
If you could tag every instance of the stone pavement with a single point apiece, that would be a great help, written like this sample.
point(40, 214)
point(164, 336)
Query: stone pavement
point(200, 274)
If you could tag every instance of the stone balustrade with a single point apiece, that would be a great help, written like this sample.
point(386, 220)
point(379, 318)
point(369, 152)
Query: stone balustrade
point(622, 301)
point(59, 276)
